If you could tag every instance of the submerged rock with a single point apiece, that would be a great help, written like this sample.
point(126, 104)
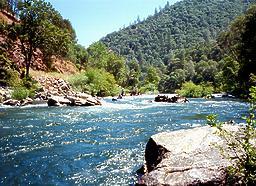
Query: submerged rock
point(185, 157)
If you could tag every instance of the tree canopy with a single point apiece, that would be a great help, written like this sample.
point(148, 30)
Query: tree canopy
point(239, 43)
point(41, 27)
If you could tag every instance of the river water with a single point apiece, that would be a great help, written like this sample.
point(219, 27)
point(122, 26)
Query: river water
point(102, 145)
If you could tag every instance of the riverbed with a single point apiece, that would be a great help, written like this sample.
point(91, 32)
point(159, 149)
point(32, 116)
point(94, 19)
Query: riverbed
point(101, 145)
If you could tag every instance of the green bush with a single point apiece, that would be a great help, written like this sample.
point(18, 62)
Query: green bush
point(95, 81)
point(189, 89)
point(20, 93)
point(8, 75)
point(12, 78)
point(148, 88)
point(79, 82)
point(101, 83)
point(3, 4)
point(241, 144)
point(207, 90)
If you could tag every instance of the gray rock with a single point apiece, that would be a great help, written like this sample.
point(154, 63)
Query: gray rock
point(58, 101)
point(93, 101)
point(72, 101)
point(83, 95)
point(27, 101)
point(12, 102)
point(185, 157)
point(75, 101)
point(5, 94)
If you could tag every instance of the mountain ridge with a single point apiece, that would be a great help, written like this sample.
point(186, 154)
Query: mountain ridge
point(175, 27)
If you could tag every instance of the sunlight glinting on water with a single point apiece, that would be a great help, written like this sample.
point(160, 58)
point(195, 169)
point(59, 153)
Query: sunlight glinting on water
point(102, 145)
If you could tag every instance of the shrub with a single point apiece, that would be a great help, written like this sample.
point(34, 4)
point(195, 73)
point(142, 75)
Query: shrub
point(96, 82)
point(207, 90)
point(20, 93)
point(189, 89)
point(79, 82)
point(242, 146)
point(148, 88)
point(8, 75)
point(101, 83)
point(12, 78)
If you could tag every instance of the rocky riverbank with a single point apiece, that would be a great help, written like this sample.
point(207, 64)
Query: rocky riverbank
point(54, 91)
point(185, 157)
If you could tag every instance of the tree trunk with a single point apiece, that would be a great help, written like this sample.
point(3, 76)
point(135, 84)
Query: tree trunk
point(27, 70)
point(28, 61)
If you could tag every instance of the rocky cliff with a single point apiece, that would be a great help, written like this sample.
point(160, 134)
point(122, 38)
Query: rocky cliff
point(185, 157)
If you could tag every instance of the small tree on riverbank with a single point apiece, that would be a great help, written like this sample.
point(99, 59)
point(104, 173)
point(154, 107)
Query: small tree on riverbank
point(40, 27)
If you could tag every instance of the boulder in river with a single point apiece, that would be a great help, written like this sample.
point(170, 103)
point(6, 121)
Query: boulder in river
point(174, 99)
point(72, 101)
point(58, 101)
point(12, 102)
point(185, 157)
point(27, 101)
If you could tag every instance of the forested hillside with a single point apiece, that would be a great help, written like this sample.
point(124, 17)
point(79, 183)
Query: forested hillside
point(172, 28)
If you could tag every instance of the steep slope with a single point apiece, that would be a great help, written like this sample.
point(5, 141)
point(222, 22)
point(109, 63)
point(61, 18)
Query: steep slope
point(12, 50)
point(182, 25)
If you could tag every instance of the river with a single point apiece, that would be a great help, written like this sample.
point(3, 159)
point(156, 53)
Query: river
point(101, 145)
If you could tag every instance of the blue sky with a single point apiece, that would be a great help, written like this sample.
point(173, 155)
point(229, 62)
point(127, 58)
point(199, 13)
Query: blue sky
point(93, 19)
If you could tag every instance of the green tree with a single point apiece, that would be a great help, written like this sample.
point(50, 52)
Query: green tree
point(134, 73)
point(98, 54)
point(80, 56)
point(230, 74)
point(116, 66)
point(3, 4)
point(173, 81)
point(40, 28)
point(247, 55)
point(239, 42)
point(101, 83)
point(152, 76)
point(205, 71)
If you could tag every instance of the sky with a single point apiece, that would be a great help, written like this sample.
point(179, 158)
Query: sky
point(94, 19)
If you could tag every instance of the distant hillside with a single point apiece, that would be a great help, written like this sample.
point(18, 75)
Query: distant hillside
point(182, 25)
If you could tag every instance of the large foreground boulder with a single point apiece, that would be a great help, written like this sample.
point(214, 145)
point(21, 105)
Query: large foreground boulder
point(185, 157)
